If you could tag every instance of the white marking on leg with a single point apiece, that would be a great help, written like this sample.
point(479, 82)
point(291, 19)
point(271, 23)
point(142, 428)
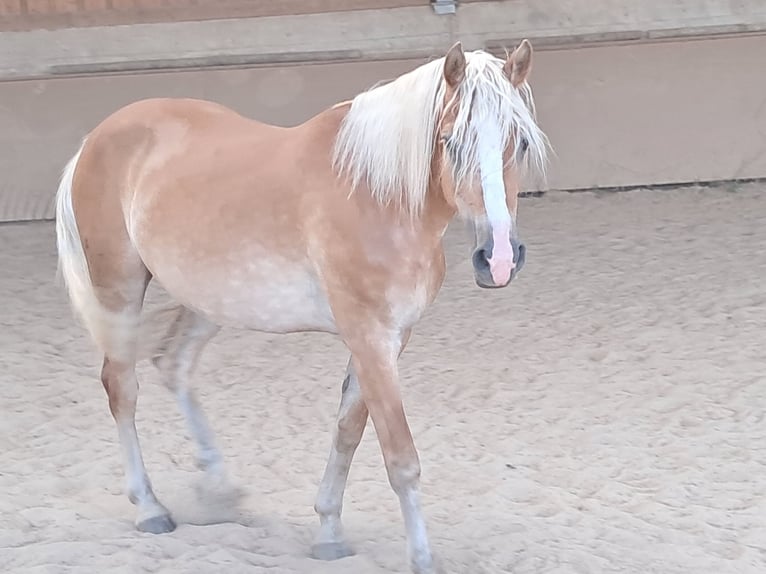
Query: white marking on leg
point(419, 551)
point(137, 481)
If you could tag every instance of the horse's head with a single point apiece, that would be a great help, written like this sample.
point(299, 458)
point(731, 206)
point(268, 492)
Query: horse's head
point(487, 133)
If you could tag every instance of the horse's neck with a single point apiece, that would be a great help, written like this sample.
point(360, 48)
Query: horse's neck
point(436, 213)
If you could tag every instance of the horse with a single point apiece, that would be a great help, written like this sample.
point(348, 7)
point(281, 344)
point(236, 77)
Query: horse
point(334, 225)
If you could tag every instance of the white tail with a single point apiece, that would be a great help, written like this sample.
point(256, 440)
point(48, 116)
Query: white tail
point(72, 264)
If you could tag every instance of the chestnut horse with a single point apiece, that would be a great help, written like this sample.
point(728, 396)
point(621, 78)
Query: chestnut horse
point(334, 225)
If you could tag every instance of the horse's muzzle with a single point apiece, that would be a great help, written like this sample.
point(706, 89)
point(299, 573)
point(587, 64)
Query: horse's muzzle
point(481, 267)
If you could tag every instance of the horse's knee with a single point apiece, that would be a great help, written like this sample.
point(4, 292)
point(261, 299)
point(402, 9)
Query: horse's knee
point(403, 474)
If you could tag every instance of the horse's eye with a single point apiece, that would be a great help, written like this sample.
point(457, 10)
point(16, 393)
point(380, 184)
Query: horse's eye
point(523, 145)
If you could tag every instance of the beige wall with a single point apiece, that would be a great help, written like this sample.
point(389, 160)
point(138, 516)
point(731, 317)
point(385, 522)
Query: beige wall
point(617, 115)
point(665, 91)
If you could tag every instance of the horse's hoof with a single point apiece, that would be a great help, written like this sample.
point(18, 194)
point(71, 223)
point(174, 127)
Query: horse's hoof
point(331, 551)
point(157, 524)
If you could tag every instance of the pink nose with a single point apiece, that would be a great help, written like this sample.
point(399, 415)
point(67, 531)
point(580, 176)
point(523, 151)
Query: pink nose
point(501, 269)
point(501, 263)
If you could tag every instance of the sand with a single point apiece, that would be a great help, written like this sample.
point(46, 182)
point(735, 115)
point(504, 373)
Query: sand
point(604, 414)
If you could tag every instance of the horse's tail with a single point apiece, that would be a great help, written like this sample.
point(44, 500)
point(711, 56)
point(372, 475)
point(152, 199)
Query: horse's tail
point(72, 262)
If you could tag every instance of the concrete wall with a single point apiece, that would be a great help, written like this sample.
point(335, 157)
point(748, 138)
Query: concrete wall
point(661, 91)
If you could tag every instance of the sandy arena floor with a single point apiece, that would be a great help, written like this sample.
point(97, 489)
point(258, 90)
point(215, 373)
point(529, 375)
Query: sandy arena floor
point(604, 414)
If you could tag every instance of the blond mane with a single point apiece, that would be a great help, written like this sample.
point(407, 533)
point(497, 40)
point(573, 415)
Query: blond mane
point(387, 138)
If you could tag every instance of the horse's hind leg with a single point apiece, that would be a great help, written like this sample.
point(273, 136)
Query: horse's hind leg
point(116, 322)
point(176, 357)
point(119, 380)
point(106, 281)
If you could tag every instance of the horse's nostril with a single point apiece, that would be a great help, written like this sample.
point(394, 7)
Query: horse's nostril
point(480, 259)
point(521, 256)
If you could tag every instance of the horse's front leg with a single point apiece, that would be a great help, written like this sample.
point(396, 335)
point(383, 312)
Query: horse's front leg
point(375, 361)
point(351, 421)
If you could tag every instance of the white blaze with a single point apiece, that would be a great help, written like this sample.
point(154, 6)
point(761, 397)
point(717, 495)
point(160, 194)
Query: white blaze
point(491, 169)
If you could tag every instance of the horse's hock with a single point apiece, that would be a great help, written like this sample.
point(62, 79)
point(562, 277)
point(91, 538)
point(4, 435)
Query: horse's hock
point(650, 93)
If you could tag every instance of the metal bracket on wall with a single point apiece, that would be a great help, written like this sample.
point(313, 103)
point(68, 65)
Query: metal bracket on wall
point(444, 6)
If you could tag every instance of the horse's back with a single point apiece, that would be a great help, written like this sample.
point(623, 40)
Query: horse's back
point(191, 110)
point(146, 125)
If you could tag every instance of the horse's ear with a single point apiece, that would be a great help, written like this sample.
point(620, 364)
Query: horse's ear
point(454, 65)
point(519, 63)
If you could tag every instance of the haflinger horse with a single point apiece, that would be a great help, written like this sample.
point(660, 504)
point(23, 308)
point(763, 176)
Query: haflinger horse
point(334, 225)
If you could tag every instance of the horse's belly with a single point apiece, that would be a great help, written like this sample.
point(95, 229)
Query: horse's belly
point(259, 296)
point(277, 306)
